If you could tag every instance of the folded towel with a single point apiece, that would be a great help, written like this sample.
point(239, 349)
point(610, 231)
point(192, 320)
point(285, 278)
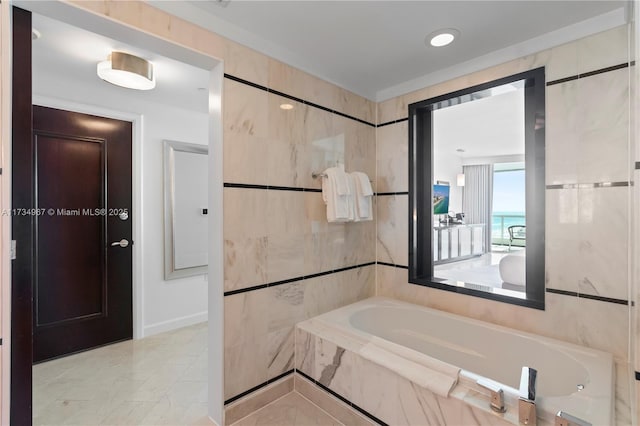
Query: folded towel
point(430, 379)
point(340, 178)
point(363, 197)
point(336, 194)
point(351, 199)
point(365, 184)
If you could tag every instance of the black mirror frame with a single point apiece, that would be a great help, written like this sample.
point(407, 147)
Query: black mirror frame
point(421, 190)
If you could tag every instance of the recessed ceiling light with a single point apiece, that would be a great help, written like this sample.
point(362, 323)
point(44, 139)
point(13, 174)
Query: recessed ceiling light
point(442, 37)
point(125, 70)
point(286, 107)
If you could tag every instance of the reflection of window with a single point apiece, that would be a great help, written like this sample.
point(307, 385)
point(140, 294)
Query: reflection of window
point(508, 202)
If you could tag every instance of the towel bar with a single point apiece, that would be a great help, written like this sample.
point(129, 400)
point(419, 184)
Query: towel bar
point(316, 175)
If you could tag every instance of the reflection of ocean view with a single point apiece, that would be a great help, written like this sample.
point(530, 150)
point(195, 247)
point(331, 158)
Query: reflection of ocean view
point(500, 222)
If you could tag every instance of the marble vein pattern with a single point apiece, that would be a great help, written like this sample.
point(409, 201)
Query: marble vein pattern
point(246, 133)
point(329, 371)
point(158, 380)
point(260, 324)
point(378, 390)
point(588, 241)
point(393, 158)
point(393, 229)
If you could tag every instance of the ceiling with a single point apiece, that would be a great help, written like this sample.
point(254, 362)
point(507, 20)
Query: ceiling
point(65, 52)
point(376, 48)
point(493, 127)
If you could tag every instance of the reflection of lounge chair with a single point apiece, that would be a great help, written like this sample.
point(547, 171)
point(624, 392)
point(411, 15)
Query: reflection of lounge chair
point(517, 232)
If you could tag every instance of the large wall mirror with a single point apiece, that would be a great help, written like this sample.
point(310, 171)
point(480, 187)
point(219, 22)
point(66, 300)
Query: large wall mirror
point(477, 188)
point(185, 209)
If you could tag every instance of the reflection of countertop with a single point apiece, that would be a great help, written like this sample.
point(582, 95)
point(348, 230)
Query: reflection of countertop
point(456, 225)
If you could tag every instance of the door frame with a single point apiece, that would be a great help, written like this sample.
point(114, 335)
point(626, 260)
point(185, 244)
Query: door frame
point(105, 25)
point(6, 100)
point(136, 188)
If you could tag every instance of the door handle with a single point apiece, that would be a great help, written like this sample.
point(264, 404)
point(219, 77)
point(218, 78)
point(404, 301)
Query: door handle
point(121, 243)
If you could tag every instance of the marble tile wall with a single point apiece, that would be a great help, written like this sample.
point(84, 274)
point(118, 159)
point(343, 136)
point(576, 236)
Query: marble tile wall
point(259, 325)
point(274, 235)
point(588, 234)
point(280, 235)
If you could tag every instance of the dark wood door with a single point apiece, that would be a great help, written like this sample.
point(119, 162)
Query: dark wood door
point(21, 229)
point(82, 292)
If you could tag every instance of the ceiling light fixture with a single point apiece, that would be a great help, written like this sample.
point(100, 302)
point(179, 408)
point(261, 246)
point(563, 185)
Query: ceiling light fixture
point(286, 107)
point(442, 37)
point(125, 70)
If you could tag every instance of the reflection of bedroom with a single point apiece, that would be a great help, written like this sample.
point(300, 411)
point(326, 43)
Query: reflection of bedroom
point(479, 192)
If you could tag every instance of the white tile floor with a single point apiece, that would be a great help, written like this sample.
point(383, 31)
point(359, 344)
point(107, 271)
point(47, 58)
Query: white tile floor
point(158, 380)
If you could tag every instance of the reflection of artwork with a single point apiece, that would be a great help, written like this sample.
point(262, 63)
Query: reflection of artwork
point(440, 199)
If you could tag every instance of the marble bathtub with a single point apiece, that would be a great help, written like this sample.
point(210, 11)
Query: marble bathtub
point(407, 364)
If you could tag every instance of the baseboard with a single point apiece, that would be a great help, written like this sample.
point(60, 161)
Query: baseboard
point(340, 408)
point(258, 399)
point(174, 324)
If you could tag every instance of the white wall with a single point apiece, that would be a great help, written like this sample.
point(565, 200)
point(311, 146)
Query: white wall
point(166, 304)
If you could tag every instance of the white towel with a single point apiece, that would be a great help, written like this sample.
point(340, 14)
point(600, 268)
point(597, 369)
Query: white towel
point(336, 194)
point(363, 197)
point(351, 199)
point(340, 178)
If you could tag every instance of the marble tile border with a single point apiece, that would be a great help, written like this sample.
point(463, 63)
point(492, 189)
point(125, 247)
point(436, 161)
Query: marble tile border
point(589, 296)
point(291, 280)
point(258, 387)
point(591, 73)
point(343, 399)
point(269, 187)
point(392, 264)
point(340, 410)
point(262, 397)
point(589, 185)
point(254, 402)
point(399, 120)
point(296, 99)
point(392, 193)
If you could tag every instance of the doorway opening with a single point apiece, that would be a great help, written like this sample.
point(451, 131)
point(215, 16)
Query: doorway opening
point(58, 85)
